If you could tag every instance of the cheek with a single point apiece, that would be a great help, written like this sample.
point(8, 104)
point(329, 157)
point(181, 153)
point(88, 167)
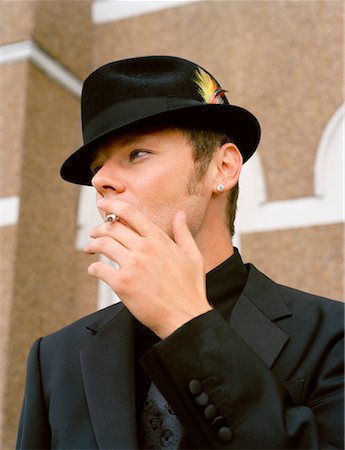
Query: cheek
point(165, 192)
point(161, 207)
point(164, 186)
point(160, 202)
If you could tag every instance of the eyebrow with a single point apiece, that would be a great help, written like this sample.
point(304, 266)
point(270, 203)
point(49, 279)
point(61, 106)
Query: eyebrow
point(130, 140)
point(100, 155)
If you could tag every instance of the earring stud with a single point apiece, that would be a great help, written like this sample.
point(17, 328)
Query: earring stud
point(220, 187)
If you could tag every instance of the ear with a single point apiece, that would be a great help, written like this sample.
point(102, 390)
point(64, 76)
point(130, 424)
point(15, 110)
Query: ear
point(228, 163)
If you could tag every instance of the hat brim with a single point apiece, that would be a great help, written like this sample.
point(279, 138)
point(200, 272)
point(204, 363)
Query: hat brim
point(237, 122)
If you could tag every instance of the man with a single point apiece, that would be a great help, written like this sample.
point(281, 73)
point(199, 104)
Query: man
point(230, 360)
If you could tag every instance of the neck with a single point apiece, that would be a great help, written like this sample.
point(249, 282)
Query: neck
point(212, 261)
point(216, 246)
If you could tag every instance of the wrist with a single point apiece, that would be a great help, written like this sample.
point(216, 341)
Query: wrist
point(174, 323)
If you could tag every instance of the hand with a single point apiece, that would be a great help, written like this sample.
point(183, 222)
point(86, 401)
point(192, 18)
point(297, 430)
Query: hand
point(160, 280)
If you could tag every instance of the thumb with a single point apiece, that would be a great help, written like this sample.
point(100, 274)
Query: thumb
point(183, 236)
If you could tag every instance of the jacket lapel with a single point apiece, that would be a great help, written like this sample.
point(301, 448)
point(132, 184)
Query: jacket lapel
point(254, 314)
point(109, 386)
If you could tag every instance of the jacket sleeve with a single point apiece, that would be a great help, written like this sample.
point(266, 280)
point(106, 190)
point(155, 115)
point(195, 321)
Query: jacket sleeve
point(226, 397)
point(34, 430)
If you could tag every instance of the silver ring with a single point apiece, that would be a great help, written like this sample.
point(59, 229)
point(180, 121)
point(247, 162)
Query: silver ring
point(111, 218)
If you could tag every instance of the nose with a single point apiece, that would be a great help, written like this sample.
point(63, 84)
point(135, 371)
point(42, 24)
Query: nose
point(105, 181)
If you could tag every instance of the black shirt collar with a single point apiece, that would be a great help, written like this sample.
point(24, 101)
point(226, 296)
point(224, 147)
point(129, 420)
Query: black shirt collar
point(225, 283)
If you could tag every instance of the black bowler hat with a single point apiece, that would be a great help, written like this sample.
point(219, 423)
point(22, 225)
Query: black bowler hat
point(148, 90)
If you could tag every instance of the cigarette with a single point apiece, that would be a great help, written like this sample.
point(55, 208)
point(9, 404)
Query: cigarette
point(111, 218)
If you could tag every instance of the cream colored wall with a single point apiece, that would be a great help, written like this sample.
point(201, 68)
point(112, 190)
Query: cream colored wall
point(280, 59)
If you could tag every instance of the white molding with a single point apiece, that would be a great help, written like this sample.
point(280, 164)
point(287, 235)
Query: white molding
point(103, 11)
point(9, 210)
point(28, 50)
point(18, 51)
point(255, 214)
point(106, 296)
point(330, 157)
point(87, 216)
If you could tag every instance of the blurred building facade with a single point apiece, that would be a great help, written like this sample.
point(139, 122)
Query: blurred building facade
point(283, 60)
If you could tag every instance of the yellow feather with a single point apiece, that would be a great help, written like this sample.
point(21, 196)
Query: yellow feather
point(206, 84)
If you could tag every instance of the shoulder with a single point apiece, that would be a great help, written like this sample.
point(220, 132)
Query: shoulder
point(305, 300)
point(257, 279)
point(76, 334)
point(322, 317)
point(306, 310)
point(313, 325)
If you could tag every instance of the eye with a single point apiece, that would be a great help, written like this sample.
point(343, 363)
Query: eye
point(96, 162)
point(135, 154)
point(95, 169)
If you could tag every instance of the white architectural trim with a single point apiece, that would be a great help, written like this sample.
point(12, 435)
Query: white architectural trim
point(19, 51)
point(103, 11)
point(106, 296)
point(28, 50)
point(255, 214)
point(330, 157)
point(9, 210)
point(87, 216)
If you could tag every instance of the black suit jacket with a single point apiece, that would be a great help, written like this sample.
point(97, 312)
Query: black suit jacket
point(274, 373)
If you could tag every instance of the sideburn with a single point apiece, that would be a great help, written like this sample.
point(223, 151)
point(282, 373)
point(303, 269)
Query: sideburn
point(194, 186)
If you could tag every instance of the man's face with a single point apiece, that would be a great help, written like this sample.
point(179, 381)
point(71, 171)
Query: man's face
point(156, 173)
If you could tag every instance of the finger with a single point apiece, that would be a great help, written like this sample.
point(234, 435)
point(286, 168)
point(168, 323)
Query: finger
point(104, 272)
point(128, 214)
point(183, 236)
point(118, 232)
point(108, 247)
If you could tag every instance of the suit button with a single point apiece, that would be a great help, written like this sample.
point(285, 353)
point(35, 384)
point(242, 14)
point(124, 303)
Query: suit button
point(218, 423)
point(201, 399)
point(224, 434)
point(195, 387)
point(210, 412)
